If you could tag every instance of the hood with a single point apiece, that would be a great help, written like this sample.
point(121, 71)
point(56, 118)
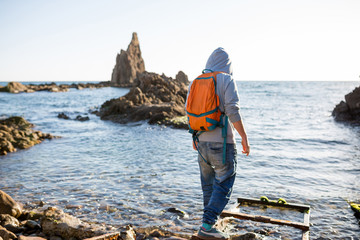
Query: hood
point(219, 61)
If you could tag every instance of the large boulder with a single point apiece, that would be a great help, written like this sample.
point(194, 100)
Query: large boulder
point(349, 111)
point(57, 223)
point(9, 205)
point(128, 65)
point(155, 98)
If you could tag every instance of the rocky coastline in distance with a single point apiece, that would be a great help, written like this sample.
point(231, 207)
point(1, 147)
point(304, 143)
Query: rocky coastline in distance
point(17, 87)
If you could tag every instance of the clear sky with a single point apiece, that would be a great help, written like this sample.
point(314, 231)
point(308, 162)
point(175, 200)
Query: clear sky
point(77, 40)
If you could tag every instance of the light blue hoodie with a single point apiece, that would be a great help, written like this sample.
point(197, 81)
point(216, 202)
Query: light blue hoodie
point(227, 91)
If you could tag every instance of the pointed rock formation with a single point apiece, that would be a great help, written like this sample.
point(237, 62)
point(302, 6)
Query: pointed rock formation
point(129, 64)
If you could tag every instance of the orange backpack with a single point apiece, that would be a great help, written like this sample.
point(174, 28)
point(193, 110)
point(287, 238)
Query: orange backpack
point(202, 107)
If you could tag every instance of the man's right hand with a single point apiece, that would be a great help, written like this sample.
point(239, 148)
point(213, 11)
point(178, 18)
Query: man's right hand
point(246, 147)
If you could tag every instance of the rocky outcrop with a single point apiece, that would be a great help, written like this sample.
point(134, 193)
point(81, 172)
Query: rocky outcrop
point(9, 206)
point(77, 118)
point(57, 223)
point(128, 65)
point(13, 87)
point(16, 87)
point(349, 111)
point(17, 133)
point(155, 98)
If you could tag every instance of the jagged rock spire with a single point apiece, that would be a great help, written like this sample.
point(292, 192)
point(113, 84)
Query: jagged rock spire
point(129, 64)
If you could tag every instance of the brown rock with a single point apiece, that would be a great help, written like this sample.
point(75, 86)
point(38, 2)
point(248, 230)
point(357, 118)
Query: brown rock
point(182, 77)
point(14, 87)
point(6, 235)
point(155, 98)
point(57, 223)
point(16, 132)
point(9, 206)
point(129, 234)
point(349, 111)
point(128, 65)
point(246, 236)
point(6, 219)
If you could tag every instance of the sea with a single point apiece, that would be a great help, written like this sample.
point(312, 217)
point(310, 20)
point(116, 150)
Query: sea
point(148, 175)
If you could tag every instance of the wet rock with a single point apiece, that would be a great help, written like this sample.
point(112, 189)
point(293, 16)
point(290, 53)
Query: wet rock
point(129, 234)
point(140, 236)
point(348, 111)
point(81, 118)
point(32, 225)
point(63, 116)
point(14, 229)
point(16, 132)
point(178, 212)
point(154, 232)
point(34, 214)
point(6, 234)
point(9, 205)
point(6, 219)
point(155, 98)
point(57, 223)
point(128, 65)
point(246, 236)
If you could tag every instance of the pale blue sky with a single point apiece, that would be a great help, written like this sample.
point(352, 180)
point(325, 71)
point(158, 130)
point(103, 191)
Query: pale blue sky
point(74, 40)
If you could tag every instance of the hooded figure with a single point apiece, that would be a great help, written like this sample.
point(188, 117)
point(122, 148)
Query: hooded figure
point(216, 171)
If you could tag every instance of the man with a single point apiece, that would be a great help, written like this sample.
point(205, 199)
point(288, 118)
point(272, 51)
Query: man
point(217, 173)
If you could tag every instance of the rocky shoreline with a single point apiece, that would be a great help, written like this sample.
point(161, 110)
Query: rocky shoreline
point(43, 222)
point(17, 133)
point(16, 87)
point(46, 222)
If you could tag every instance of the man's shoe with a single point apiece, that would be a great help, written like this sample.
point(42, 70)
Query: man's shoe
point(212, 234)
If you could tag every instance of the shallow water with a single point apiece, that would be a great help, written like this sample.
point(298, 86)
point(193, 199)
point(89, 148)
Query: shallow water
point(132, 173)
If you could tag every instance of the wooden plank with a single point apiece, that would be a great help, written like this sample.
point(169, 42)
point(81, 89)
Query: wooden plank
point(305, 235)
point(265, 219)
point(299, 207)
